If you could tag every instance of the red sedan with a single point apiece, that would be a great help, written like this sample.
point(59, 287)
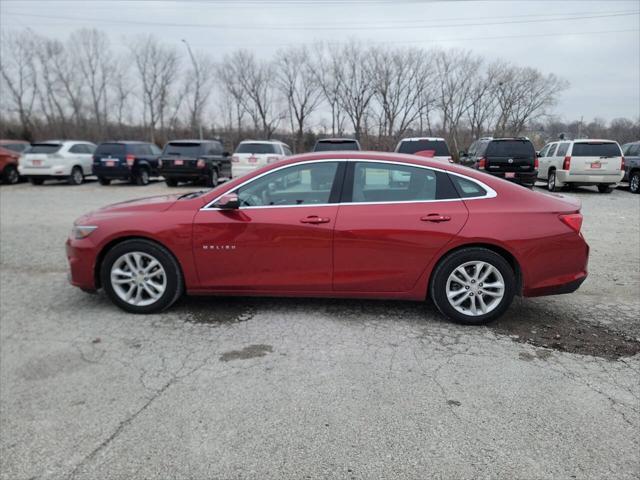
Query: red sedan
point(338, 224)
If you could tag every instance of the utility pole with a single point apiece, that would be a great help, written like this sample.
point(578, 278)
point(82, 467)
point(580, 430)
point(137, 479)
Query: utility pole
point(197, 96)
point(580, 127)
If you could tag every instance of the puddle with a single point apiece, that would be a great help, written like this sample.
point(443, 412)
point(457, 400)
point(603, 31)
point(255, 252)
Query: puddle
point(252, 351)
point(216, 311)
point(561, 332)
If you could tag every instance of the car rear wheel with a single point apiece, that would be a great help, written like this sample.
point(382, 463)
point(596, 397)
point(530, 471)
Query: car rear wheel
point(10, 175)
point(76, 177)
point(171, 182)
point(634, 182)
point(551, 181)
point(605, 188)
point(142, 177)
point(36, 181)
point(104, 181)
point(473, 286)
point(212, 179)
point(140, 276)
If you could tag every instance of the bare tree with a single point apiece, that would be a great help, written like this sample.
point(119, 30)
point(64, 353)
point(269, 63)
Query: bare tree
point(157, 67)
point(198, 85)
point(325, 69)
point(298, 84)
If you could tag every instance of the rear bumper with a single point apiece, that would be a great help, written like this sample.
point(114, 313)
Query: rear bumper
point(522, 178)
point(56, 171)
point(241, 170)
point(82, 259)
point(112, 172)
point(186, 173)
point(566, 176)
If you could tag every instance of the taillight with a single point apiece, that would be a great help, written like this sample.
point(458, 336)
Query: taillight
point(130, 159)
point(566, 165)
point(200, 163)
point(622, 163)
point(272, 159)
point(482, 163)
point(536, 163)
point(572, 220)
point(159, 163)
point(235, 159)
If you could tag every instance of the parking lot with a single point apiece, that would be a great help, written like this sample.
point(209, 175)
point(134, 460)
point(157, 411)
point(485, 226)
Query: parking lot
point(290, 388)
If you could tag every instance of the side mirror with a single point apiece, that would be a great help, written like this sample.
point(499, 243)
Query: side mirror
point(230, 201)
point(537, 154)
point(226, 154)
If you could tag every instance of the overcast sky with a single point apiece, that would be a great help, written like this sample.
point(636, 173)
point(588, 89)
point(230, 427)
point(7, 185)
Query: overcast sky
point(598, 55)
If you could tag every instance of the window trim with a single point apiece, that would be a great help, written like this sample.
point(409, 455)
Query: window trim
point(491, 193)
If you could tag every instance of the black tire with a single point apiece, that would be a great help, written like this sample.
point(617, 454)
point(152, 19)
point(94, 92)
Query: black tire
point(438, 285)
point(212, 178)
point(174, 280)
point(605, 188)
point(36, 181)
point(104, 181)
point(551, 181)
point(76, 177)
point(634, 182)
point(142, 176)
point(171, 182)
point(10, 175)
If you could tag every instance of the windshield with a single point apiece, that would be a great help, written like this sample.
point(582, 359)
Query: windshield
point(183, 149)
point(439, 148)
point(256, 148)
point(336, 145)
point(110, 149)
point(511, 148)
point(44, 148)
point(595, 149)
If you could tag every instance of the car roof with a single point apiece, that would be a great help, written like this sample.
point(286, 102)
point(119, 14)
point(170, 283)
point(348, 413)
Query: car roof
point(263, 141)
point(126, 142)
point(416, 139)
point(337, 140)
point(583, 140)
point(60, 142)
point(196, 140)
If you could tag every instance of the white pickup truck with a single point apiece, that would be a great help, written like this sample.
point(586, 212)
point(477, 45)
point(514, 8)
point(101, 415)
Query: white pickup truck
point(582, 162)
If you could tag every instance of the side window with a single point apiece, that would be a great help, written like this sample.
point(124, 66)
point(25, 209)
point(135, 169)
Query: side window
point(154, 149)
point(90, 148)
point(472, 149)
point(482, 147)
point(543, 152)
point(77, 148)
point(552, 150)
point(287, 150)
point(304, 184)
point(380, 182)
point(633, 150)
point(562, 150)
point(467, 188)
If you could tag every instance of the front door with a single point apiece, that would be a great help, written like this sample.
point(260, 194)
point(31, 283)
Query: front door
point(398, 219)
point(280, 239)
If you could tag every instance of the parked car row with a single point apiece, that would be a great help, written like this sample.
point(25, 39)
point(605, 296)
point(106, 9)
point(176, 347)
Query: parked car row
point(562, 163)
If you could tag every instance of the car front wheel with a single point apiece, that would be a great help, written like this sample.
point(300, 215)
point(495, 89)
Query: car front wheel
point(634, 182)
point(142, 177)
point(551, 181)
point(76, 177)
point(140, 276)
point(473, 286)
point(10, 175)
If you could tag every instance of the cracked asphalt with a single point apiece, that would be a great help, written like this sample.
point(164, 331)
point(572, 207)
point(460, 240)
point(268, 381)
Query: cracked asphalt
point(291, 388)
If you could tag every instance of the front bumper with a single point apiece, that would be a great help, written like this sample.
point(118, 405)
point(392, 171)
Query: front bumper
point(82, 261)
point(566, 176)
point(57, 171)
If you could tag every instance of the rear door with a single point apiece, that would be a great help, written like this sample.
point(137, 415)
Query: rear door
point(596, 158)
point(386, 234)
point(279, 240)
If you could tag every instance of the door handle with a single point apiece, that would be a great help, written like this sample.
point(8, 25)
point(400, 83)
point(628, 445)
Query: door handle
point(315, 219)
point(436, 218)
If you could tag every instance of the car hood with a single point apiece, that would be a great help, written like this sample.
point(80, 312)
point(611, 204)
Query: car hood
point(158, 203)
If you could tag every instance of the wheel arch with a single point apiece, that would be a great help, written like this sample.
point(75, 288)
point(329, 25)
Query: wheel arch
point(503, 252)
point(118, 240)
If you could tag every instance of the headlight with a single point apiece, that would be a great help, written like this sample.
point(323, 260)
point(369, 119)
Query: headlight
point(82, 231)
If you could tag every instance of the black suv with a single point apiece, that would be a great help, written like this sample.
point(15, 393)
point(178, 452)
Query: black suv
point(513, 159)
point(125, 160)
point(188, 160)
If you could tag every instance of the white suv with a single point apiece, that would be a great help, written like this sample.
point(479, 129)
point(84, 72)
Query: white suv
point(253, 154)
point(582, 162)
point(57, 159)
point(430, 147)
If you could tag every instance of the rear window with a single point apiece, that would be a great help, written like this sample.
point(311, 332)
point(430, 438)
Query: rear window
point(44, 148)
point(183, 149)
point(15, 147)
point(439, 148)
point(256, 148)
point(327, 146)
point(467, 188)
point(595, 150)
point(511, 148)
point(110, 149)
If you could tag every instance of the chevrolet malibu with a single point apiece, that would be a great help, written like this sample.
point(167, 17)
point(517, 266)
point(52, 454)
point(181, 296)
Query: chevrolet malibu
point(465, 239)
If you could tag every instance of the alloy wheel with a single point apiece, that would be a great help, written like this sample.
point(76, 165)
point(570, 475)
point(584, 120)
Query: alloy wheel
point(138, 278)
point(475, 288)
point(634, 184)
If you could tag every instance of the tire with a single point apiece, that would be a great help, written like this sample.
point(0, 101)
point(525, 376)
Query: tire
point(76, 177)
point(142, 177)
point(212, 178)
point(169, 277)
point(634, 182)
point(36, 181)
point(10, 175)
point(551, 181)
point(104, 181)
point(605, 188)
point(443, 284)
point(171, 182)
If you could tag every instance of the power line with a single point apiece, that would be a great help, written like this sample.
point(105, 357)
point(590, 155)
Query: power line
point(429, 26)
